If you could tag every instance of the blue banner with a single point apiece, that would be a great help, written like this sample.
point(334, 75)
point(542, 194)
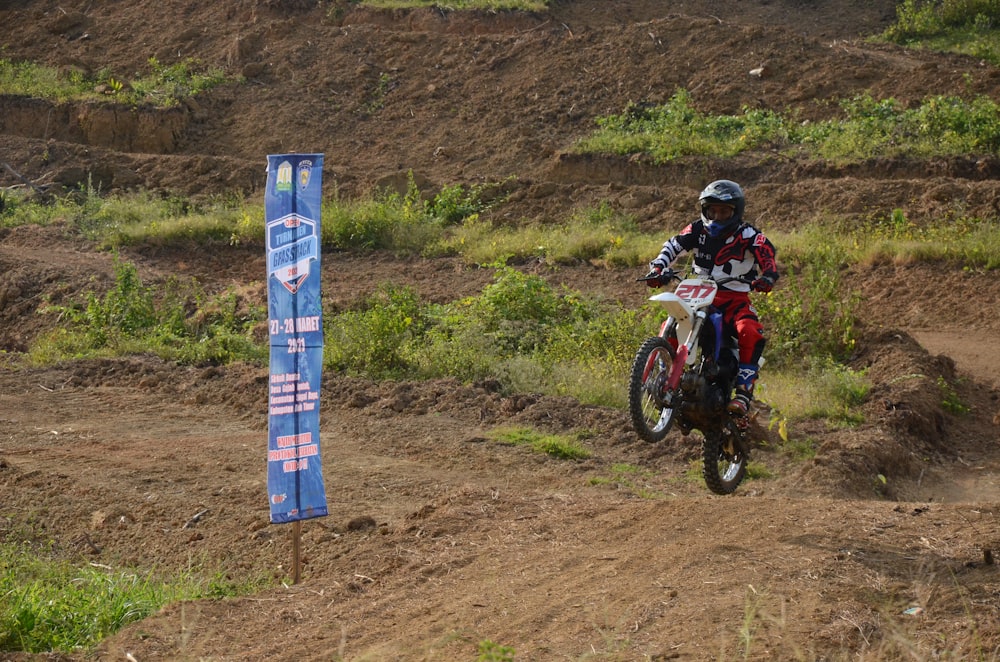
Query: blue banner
point(295, 319)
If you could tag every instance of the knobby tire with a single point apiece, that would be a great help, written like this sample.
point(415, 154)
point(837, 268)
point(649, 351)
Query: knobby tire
point(651, 418)
point(725, 458)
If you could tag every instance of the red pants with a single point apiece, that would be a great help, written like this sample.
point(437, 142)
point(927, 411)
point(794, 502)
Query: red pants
point(739, 314)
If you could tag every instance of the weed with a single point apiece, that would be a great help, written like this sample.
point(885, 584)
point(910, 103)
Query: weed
point(493, 652)
point(950, 400)
point(810, 315)
point(376, 100)
point(748, 627)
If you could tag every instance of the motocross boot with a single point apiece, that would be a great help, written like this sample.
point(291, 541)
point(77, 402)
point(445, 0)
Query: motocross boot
point(740, 404)
point(746, 377)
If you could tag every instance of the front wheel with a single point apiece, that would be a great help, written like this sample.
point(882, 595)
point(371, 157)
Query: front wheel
point(652, 408)
point(725, 458)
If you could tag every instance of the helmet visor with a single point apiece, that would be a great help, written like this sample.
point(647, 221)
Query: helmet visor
point(717, 211)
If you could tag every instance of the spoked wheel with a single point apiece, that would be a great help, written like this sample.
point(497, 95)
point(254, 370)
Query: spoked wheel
point(725, 458)
point(651, 407)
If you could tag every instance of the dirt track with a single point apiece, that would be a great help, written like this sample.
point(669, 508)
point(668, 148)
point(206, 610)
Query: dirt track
point(439, 540)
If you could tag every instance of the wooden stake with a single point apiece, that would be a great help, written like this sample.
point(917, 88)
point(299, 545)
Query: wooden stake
point(296, 545)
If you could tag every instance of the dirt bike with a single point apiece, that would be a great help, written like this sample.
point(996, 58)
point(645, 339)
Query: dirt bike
point(689, 383)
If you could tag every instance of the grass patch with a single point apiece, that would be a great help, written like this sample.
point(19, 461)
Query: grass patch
point(970, 27)
point(597, 235)
point(866, 128)
point(629, 478)
point(408, 224)
point(971, 242)
point(826, 390)
point(561, 446)
point(140, 218)
point(162, 85)
point(51, 605)
point(450, 223)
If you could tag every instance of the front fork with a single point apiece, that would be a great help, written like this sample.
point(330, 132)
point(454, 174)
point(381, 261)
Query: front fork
point(683, 351)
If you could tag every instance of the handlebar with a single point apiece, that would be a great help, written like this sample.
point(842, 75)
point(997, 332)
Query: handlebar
point(739, 279)
point(668, 275)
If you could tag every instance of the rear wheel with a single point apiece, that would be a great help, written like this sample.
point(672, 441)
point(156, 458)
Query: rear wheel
point(725, 458)
point(651, 408)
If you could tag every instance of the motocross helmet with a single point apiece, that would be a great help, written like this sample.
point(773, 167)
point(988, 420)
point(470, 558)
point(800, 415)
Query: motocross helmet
point(722, 192)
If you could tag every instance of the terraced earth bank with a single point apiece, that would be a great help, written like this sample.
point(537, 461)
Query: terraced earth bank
point(438, 540)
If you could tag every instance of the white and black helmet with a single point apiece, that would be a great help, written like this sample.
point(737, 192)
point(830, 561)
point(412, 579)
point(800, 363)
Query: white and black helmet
point(724, 192)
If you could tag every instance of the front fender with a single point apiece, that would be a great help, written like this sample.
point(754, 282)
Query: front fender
point(679, 309)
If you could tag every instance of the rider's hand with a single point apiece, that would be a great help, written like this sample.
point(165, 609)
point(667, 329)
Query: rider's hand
point(762, 284)
point(653, 277)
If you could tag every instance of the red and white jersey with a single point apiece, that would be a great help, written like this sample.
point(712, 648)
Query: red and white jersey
point(743, 252)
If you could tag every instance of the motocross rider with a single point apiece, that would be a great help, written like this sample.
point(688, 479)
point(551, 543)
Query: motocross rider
point(726, 245)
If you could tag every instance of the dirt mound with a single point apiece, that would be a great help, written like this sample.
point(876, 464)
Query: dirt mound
point(441, 540)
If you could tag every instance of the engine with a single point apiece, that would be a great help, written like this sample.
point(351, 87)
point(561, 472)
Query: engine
point(704, 402)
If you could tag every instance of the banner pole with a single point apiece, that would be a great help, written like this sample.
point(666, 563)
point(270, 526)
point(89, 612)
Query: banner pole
point(296, 551)
point(292, 208)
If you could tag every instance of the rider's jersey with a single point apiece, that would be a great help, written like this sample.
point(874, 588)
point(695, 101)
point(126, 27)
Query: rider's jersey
point(735, 254)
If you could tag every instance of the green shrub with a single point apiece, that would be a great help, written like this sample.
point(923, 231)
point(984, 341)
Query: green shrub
point(927, 18)
point(518, 330)
point(376, 339)
point(970, 27)
point(176, 321)
point(531, 337)
point(810, 314)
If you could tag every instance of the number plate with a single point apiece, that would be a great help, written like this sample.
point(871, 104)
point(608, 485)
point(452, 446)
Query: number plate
point(696, 291)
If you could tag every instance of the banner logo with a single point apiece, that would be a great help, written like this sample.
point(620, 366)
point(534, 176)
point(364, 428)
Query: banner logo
point(283, 178)
point(305, 170)
point(292, 246)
